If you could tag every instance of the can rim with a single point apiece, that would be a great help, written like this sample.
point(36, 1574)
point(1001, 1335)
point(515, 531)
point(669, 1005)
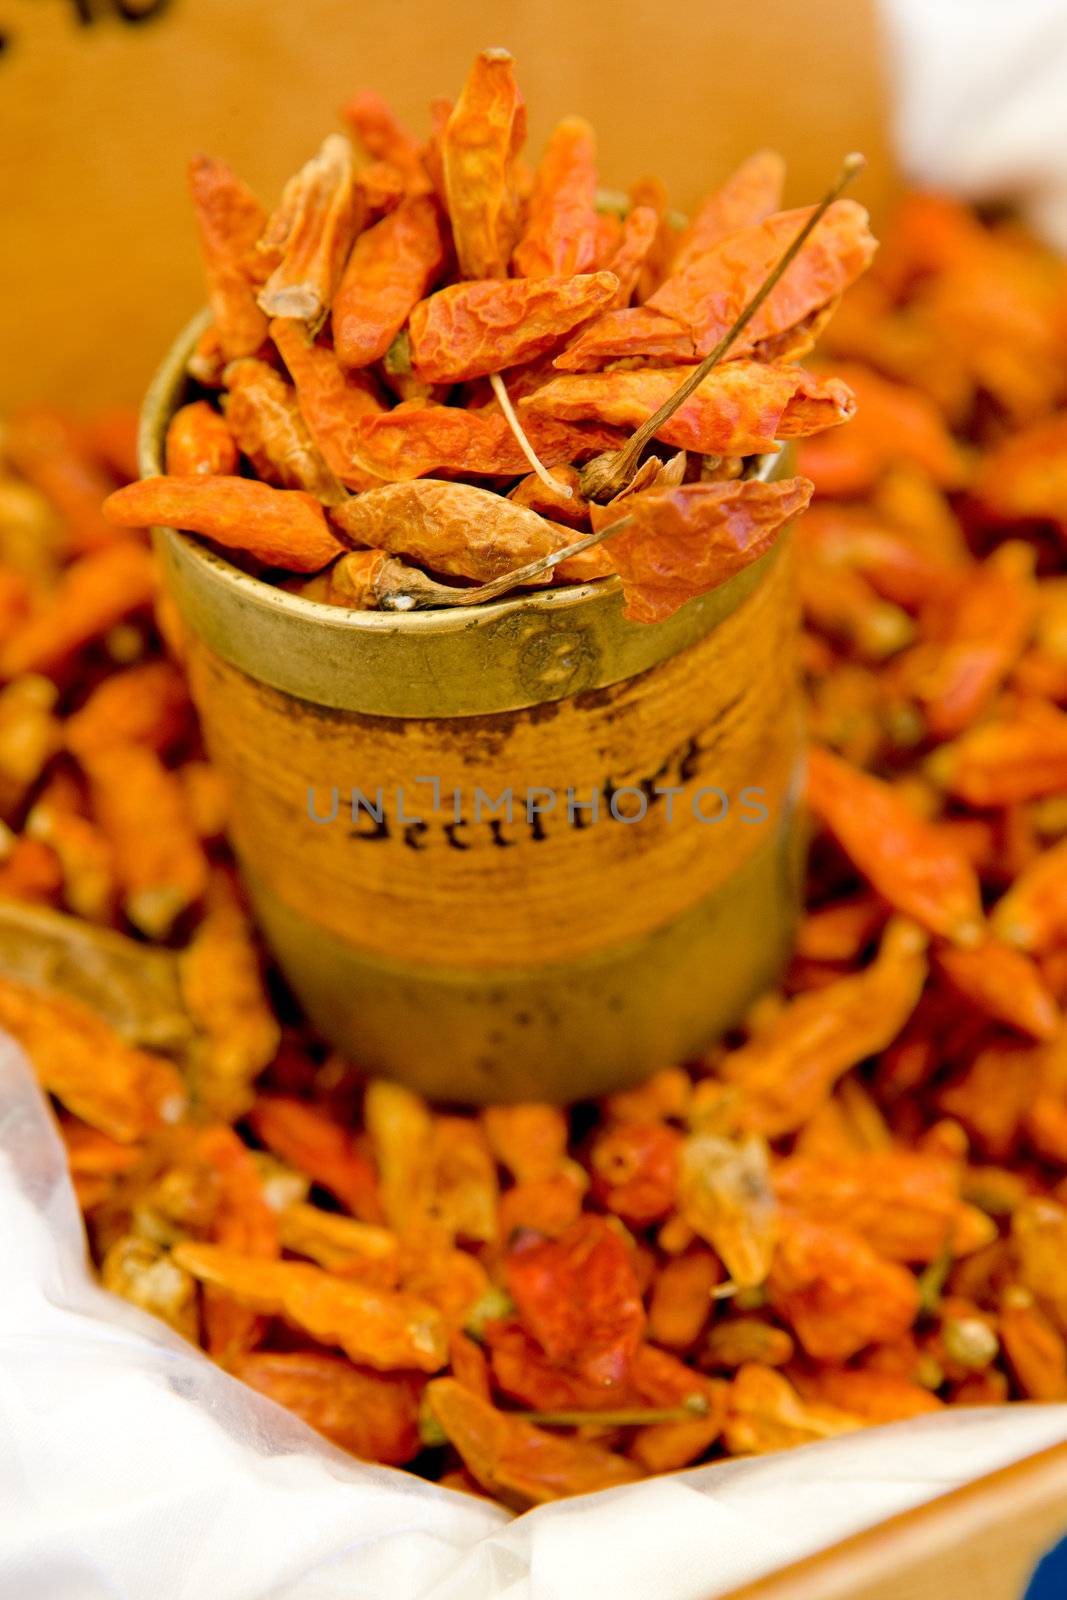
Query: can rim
point(162, 398)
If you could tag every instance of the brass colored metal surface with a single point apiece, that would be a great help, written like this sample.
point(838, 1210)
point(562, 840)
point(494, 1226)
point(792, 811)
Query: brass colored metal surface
point(561, 1032)
point(561, 964)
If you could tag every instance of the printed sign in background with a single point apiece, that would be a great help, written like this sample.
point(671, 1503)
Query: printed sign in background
point(103, 101)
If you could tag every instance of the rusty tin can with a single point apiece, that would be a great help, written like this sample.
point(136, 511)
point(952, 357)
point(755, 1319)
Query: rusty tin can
point(638, 893)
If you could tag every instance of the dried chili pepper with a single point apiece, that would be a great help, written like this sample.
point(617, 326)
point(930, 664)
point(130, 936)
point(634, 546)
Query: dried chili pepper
point(749, 194)
point(264, 418)
point(147, 704)
point(479, 145)
point(628, 260)
point(892, 424)
point(1005, 759)
point(682, 542)
point(456, 528)
point(282, 527)
point(905, 1204)
point(470, 329)
point(123, 1092)
point(144, 1274)
point(373, 1415)
point(515, 1460)
point(230, 220)
point(635, 1170)
point(560, 233)
point(96, 592)
point(1005, 984)
point(1032, 915)
point(578, 1296)
point(199, 441)
point(725, 1195)
point(691, 310)
point(906, 859)
point(305, 244)
point(222, 986)
point(379, 1328)
point(334, 403)
point(391, 267)
point(382, 136)
point(786, 1072)
point(51, 452)
point(835, 1292)
point(344, 1246)
point(307, 1138)
point(740, 409)
point(764, 1412)
point(161, 868)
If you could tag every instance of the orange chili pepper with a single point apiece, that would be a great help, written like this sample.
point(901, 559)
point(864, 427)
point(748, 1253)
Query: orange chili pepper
point(479, 145)
point(334, 403)
point(307, 1138)
point(379, 1328)
point(305, 244)
point(161, 869)
point(414, 440)
point(282, 527)
point(96, 592)
point(520, 1463)
point(391, 267)
point(264, 418)
point(122, 1092)
point(374, 124)
point(906, 859)
point(51, 452)
point(725, 1195)
point(749, 194)
point(198, 441)
point(786, 1072)
point(372, 1415)
point(1005, 984)
point(1032, 915)
point(764, 1412)
point(230, 220)
point(560, 233)
point(455, 528)
point(578, 1296)
point(906, 1205)
point(740, 409)
point(474, 328)
point(686, 541)
point(835, 1292)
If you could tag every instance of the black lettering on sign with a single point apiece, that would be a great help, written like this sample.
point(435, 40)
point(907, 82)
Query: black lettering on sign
point(84, 13)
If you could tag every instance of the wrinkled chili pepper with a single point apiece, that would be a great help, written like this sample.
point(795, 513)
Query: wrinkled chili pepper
point(473, 328)
point(479, 144)
point(306, 242)
point(230, 220)
point(560, 233)
point(282, 527)
point(391, 267)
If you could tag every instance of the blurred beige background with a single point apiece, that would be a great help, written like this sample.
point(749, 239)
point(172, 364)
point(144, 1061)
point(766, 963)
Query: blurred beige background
point(99, 117)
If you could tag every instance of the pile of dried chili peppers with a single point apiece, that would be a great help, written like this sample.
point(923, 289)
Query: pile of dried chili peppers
point(396, 346)
point(853, 1211)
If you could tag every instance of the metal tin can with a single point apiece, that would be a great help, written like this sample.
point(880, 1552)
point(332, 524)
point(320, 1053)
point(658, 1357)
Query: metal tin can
point(526, 850)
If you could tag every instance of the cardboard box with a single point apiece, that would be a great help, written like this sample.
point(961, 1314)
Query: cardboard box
point(105, 100)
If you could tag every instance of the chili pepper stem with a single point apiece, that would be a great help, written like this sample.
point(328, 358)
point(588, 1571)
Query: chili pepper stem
point(695, 1405)
point(605, 475)
point(499, 389)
